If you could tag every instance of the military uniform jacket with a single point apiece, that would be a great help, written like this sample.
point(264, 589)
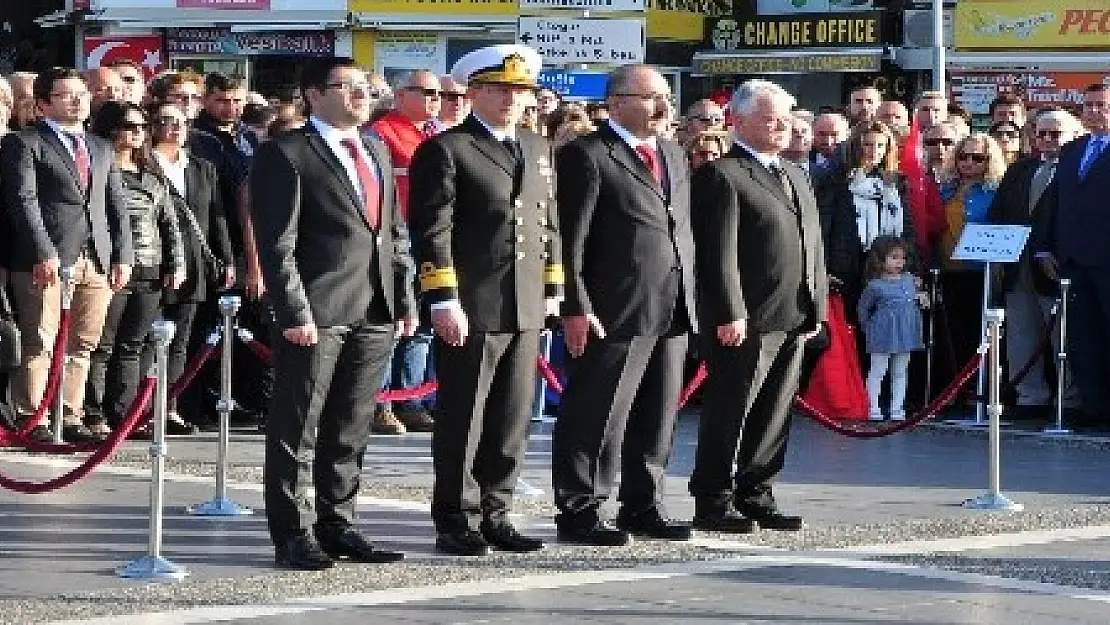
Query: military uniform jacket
point(484, 227)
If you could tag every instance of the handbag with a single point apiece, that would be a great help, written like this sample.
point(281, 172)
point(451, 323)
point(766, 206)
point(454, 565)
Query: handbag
point(837, 388)
point(11, 347)
point(214, 267)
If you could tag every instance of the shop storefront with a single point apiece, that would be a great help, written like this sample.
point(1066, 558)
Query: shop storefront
point(817, 53)
point(263, 40)
point(1044, 51)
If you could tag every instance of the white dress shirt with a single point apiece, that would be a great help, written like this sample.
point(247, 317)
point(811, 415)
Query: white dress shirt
point(769, 162)
point(334, 137)
point(174, 170)
point(632, 141)
point(63, 134)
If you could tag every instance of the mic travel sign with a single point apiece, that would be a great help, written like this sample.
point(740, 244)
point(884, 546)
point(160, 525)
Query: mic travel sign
point(573, 41)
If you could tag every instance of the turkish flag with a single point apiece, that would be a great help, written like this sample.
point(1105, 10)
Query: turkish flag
point(146, 50)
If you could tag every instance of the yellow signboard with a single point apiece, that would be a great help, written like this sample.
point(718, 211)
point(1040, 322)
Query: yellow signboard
point(1023, 24)
point(684, 20)
point(764, 63)
point(434, 7)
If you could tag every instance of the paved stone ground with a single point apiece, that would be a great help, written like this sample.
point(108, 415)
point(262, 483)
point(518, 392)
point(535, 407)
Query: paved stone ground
point(886, 542)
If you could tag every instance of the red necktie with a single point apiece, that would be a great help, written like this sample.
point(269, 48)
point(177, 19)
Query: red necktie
point(366, 180)
point(80, 158)
point(649, 158)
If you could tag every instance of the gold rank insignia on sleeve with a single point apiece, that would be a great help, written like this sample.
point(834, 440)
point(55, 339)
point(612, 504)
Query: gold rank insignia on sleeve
point(553, 274)
point(432, 277)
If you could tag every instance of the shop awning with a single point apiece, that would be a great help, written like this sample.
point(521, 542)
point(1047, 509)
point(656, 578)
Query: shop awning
point(1079, 61)
point(712, 62)
point(174, 18)
point(495, 24)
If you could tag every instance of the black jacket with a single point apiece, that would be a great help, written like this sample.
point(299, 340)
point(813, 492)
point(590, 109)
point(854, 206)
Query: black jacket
point(205, 201)
point(1011, 206)
point(484, 227)
point(322, 261)
point(155, 236)
point(760, 255)
point(628, 247)
point(844, 253)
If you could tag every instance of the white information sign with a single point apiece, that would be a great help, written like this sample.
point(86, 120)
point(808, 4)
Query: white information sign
point(565, 41)
point(991, 243)
point(585, 5)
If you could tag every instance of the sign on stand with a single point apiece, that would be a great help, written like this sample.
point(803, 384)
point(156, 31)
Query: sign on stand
point(991, 243)
point(575, 84)
point(598, 6)
point(572, 41)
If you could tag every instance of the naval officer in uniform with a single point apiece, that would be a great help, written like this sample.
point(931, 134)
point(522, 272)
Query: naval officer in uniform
point(485, 239)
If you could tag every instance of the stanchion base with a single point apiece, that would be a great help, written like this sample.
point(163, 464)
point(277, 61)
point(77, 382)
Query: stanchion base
point(524, 489)
point(992, 501)
point(152, 567)
point(1057, 431)
point(219, 507)
point(967, 423)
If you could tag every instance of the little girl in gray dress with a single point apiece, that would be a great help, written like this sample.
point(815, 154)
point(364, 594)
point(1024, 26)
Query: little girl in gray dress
point(890, 315)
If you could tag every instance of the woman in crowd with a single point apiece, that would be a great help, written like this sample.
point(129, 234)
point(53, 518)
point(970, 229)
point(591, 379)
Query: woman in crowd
point(198, 206)
point(705, 147)
point(159, 264)
point(1008, 136)
point(980, 165)
point(861, 202)
point(939, 145)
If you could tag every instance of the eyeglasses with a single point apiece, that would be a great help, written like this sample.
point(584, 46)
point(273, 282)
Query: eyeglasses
point(1005, 134)
point(133, 126)
point(945, 141)
point(70, 95)
point(169, 121)
point(351, 86)
point(648, 97)
point(451, 96)
point(195, 97)
point(531, 109)
point(1049, 134)
point(424, 91)
point(710, 119)
point(708, 154)
point(130, 79)
point(974, 157)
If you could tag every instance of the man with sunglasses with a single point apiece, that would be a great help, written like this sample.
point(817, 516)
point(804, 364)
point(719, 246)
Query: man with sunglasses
point(485, 239)
point(416, 105)
point(1028, 297)
point(1070, 241)
point(335, 256)
point(455, 104)
point(134, 81)
point(704, 115)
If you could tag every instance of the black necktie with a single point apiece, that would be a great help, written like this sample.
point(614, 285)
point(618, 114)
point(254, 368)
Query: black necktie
point(784, 180)
point(514, 149)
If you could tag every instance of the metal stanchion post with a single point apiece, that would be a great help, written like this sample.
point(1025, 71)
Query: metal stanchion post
point(221, 506)
point(153, 565)
point(540, 402)
point(980, 380)
point(1061, 361)
point(994, 500)
point(67, 275)
point(930, 348)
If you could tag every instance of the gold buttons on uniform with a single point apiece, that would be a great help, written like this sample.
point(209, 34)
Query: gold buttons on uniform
point(520, 255)
point(543, 222)
point(543, 238)
point(517, 203)
point(519, 221)
point(520, 238)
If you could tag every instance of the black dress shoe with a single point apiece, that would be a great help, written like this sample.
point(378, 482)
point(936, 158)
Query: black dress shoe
point(462, 543)
point(41, 434)
point(600, 534)
point(505, 537)
point(722, 518)
point(770, 518)
point(652, 525)
point(350, 545)
point(301, 553)
point(78, 433)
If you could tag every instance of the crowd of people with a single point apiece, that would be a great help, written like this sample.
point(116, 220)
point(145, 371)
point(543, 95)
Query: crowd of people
point(383, 235)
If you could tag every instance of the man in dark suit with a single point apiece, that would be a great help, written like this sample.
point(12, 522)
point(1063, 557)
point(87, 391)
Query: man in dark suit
point(333, 253)
point(65, 200)
point(624, 212)
point(1027, 298)
point(761, 271)
point(1070, 241)
point(485, 239)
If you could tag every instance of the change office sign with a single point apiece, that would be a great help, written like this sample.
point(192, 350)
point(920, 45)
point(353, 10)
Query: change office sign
point(584, 41)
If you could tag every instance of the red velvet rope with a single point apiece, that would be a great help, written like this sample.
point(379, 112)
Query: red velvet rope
point(102, 451)
point(191, 371)
point(53, 383)
point(549, 375)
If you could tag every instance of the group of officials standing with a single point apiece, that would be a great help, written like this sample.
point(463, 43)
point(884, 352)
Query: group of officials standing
point(614, 233)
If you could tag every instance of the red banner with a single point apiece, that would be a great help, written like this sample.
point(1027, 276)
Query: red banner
point(146, 50)
point(255, 5)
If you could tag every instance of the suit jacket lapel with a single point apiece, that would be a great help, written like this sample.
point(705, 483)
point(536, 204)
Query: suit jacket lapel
point(671, 156)
point(317, 142)
point(760, 174)
point(52, 139)
point(192, 182)
point(489, 146)
point(627, 157)
point(385, 184)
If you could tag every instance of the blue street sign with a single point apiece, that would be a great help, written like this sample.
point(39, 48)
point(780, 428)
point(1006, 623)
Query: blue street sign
point(575, 84)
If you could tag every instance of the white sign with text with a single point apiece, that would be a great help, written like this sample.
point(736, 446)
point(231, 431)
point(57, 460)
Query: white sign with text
point(991, 243)
point(567, 41)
